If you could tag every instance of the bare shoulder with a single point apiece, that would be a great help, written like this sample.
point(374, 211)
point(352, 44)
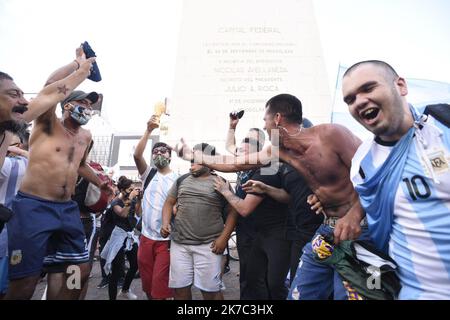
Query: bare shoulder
point(334, 132)
point(85, 134)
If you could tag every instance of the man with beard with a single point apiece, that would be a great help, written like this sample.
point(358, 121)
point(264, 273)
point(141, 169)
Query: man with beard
point(198, 236)
point(402, 177)
point(46, 228)
point(153, 252)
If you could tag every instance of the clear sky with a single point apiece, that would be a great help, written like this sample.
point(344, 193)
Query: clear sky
point(136, 42)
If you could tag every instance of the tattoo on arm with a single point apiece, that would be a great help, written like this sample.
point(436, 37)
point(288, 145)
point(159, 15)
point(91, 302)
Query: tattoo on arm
point(63, 89)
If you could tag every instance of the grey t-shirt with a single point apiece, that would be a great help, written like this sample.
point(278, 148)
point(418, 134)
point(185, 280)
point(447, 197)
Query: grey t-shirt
point(199, 215)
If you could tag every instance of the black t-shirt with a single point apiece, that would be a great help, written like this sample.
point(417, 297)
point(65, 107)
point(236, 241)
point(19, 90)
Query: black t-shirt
point(80, 194)
point(301, 221)
point(244, 224)
point(269, 215)
point(127, 223)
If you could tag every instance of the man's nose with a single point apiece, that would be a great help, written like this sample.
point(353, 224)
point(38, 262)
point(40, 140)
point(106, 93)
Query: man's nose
point(360, 102)
point(23, 101)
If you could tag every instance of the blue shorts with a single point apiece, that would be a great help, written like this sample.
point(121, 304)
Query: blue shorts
point(44, 233)
point(3, 274)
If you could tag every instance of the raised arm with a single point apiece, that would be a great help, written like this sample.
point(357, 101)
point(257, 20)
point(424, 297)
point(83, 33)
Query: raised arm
point(45, 102)
point(69, 68)
point(230, 143)
point(138, 155)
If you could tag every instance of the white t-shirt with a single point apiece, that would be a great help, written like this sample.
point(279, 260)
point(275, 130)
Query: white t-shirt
point(153, 201)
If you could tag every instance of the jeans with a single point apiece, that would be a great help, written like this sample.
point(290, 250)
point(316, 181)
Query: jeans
point(316, 281)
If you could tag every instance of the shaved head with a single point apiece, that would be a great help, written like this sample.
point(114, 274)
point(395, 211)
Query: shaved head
point(387, 68)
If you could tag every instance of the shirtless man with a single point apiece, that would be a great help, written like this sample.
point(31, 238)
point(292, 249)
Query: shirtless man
point(46, 228)
point(322, 154)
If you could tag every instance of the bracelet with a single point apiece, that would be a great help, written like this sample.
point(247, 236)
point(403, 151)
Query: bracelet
point(78, 64)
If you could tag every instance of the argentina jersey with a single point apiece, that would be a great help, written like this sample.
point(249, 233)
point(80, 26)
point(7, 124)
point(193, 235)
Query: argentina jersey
point(420, 234)
point(152, 204)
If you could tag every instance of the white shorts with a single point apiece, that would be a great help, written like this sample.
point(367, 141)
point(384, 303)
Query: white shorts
point(194, 264)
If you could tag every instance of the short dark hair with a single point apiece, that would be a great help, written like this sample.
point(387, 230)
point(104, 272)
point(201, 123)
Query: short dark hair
point(161, 144)
point(287, 105)
point(253, 142)
point(206, 149)
point(386, 66)
point(5, 76)
point(124, 183)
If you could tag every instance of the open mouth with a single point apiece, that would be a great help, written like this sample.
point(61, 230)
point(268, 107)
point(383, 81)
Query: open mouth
point(369, 114)
point(19, 109)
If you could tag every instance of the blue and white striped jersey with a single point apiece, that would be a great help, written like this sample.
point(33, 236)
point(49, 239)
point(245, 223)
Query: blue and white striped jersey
point(420, 234)
point(154, 197)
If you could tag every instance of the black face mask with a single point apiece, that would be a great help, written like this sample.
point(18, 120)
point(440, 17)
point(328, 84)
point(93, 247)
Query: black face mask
point(200, 172)
point(126, 194)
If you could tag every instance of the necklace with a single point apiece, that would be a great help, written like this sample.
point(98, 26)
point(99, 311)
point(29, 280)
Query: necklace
point(72, 132)
point(294, 134)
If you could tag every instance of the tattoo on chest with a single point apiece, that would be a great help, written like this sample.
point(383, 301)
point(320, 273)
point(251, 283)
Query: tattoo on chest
point(63, 89)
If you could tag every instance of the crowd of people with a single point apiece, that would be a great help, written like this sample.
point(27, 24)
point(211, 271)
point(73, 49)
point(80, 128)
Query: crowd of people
point(297, 205)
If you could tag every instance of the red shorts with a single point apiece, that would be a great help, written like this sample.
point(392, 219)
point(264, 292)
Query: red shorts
point(154, 266)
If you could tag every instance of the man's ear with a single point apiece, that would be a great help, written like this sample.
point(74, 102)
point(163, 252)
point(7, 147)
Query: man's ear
point(277, 118)
point(402, 86)
point(66, 107)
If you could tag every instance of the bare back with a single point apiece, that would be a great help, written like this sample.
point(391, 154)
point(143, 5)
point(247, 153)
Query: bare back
point(322, 154)
point(54, 160)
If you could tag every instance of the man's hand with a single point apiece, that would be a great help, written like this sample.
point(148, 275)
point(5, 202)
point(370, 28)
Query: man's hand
point(80, 56)
point(105, 187)
point(165, 231)
point(347, 228)
point(252, 186)
point(175, 209)
point(233, 121)
point(183, 150)
point(221, 186)
point(153, 123)
point(316, 206)
point(219, 245)
point(86, 65)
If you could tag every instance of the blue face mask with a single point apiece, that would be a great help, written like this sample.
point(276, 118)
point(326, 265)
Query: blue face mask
point(79, 114)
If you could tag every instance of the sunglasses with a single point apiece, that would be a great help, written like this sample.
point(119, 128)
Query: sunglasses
point(160, 150)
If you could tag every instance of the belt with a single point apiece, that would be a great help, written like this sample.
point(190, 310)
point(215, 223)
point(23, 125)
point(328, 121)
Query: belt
point(331, 222)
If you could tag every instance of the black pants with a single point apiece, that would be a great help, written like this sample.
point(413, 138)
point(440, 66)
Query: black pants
point(268, 265)
point(244, 242)
point(117, 271)
point(101, 243)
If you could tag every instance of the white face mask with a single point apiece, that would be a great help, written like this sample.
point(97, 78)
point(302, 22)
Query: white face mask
point(80, 114)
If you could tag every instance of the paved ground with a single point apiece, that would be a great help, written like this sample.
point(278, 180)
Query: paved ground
point(231, 280)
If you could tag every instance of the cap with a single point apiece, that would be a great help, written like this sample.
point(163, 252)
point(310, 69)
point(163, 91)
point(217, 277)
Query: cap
point(78, 95)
